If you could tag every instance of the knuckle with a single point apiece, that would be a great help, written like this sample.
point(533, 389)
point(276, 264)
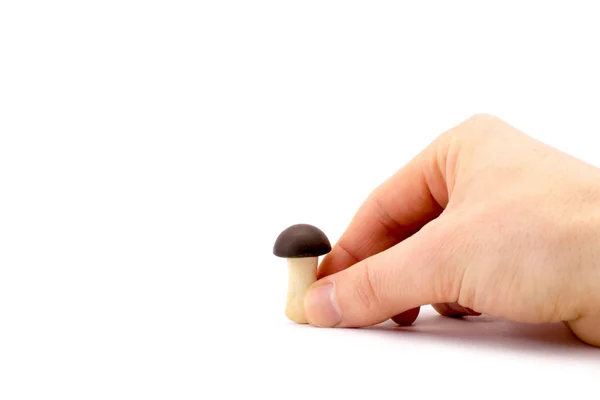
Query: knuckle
point(482, 121)
point(470, 134)
point(484, 118)
point(479, 126)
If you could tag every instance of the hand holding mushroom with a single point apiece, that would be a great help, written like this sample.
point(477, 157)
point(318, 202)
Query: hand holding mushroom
point(486, 218)
point(301, 245)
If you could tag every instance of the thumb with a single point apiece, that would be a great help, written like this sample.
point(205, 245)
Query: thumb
point(420, 270)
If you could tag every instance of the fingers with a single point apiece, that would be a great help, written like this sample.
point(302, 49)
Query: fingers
point(421, 270)
point(454, 310)
point(407, 317)
point(394, 211)
point(451, 310)
point(586, 329)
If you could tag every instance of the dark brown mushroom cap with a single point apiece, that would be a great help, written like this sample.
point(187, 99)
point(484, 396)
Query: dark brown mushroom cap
point(301, 240)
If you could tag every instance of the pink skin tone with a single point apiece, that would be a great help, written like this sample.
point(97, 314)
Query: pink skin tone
point(485, 218)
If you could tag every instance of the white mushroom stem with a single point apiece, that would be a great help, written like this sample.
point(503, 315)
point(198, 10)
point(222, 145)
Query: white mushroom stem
point(302, 272)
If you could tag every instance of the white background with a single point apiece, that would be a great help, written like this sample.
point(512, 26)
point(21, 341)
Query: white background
point(150, 153)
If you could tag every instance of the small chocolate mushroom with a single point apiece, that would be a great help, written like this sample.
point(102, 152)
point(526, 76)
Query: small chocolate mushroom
point(301, 245)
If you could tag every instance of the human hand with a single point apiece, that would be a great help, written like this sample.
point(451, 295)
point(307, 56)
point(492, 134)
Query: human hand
point(486, 218)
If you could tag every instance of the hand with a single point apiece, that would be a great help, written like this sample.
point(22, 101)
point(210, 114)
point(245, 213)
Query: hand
point(487, 219)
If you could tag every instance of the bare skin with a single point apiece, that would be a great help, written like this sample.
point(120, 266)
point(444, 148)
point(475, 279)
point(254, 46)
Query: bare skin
point(484, 220)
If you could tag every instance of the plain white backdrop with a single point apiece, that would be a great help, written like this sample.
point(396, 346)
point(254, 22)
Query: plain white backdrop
point(151, 152)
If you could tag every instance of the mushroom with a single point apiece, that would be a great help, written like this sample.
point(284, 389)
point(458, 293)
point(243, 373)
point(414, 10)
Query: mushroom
point(301, 245)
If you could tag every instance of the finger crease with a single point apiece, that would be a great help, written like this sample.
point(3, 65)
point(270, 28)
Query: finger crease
point(384, 217)
point(348, 253)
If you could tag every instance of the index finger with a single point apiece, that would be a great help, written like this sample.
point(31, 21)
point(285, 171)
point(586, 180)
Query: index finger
point(394, 211)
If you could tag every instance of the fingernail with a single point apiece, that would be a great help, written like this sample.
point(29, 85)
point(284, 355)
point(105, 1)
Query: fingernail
point(320, 306)
point(472, 312)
